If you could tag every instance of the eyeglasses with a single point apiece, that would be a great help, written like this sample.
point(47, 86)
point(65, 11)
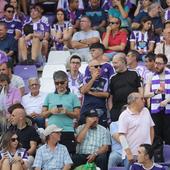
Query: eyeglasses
point(59, 82)
point(157, 63)
point(14, 139)
point(97, 66)
point(112, 23)
point(75, 63)
point(9, 11)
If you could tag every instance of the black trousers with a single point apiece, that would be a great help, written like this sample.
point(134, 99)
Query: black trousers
point(79, 159)
point(162, 126)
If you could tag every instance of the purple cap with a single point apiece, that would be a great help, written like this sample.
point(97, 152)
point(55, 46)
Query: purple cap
point(3, 57)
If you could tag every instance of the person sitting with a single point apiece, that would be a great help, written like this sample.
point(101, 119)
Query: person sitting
point(114, 39)
point(52, 155)
point(145, 161)
point(61, 31)
point(34, 31)
point(92, 142)
point(12, 155)
point(82, 40)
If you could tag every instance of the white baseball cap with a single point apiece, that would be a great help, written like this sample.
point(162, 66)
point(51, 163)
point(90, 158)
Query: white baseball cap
point(50, 129)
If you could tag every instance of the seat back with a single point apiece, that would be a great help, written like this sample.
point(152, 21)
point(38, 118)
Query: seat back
point(49, 70)
point(83, 67)
point(47, 85)
point(166, 153)
point(26, 72)
point(58, 57)
point(117, 168)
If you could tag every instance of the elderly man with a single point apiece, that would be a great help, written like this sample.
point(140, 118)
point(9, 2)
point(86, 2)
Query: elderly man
point(145, 161)
point(52, 155)
point(33, 102)
point(157, 89)
point(93, 141)
point(122, 84)
point(83, 39)
point(95, 90)
point(131, 121)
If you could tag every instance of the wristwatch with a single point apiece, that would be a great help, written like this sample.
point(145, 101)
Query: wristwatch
point(96, 154)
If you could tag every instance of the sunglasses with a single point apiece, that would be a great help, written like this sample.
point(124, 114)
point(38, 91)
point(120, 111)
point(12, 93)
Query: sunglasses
point(97, 66)
point(59, 82)
point(14, 139)
point(9, 11)
point(112, 23)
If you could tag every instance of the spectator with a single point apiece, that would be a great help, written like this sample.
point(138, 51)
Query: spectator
point(121, 85)
point(52, 155)
point(115, 157)
point(114, 39)
point(61, 31)
point(96, 15)
point(164, 46)
point(154, 11)
point(145, 161)
point(95, 91)
point(74, 14)
point(83, 39)
point(167, 11)
point(34, 31)
point(15, 80)
point(132, 59)
point(18, 15)
point(3, 3)
point(142, 40)
point(12, 156)
point(33, 102)
point(14, 26)
point(61, 107)
point(75, 78)
point(157, 89)
point(120, 10)
point(93, 142)
point(131, 135)
point(27, 135)
point(97, 52)
point(7, 43)
point(10, 95)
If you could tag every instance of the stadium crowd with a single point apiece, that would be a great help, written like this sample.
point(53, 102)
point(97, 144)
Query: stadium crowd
point(115, 113)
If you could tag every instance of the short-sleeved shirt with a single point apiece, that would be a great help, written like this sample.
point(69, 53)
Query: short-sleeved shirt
point(54, 160)
point(93, 102)
point(141, 40)
point(136, 128)
point(26, 135)
point(17, 81)
point(96, 15)
point(69, 101)
point(94, 139)
point(12, 25)
point(106, 71)
point(119, 38)
point(116, 13)
point(155, 166)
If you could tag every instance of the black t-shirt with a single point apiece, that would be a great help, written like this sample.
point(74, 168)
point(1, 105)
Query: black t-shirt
point(26, 135)
point(121, 85)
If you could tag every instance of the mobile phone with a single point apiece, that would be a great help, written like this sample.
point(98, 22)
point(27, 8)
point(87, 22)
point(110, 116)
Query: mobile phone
point(59, 105)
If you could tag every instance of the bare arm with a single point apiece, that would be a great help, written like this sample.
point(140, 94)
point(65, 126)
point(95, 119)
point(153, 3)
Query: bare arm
point(74, 114)
point(151, 47)
point(67, 167)
point(110, 104)
point(33, 147)
point(99, 94)
point(106, 38)
point(22, 91)
point(135, 25)
point(82, 133)
point(152, 134)
point(120, 47)
point(17, 34)
point(37, 169)
point(140, 89)
point(132, 45)
point(147, 91)
point(121, 9)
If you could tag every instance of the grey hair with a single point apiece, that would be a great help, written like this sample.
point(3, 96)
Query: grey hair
point(60, 75)
point(33, 78)
point(121, 56)
point(132, 97)
point(153, 5)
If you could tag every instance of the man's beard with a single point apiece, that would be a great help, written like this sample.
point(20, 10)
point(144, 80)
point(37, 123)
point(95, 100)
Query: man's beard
point(160, 71)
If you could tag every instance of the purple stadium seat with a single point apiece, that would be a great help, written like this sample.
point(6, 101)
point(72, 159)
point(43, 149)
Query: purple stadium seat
point(26, 72)
point(166, 153)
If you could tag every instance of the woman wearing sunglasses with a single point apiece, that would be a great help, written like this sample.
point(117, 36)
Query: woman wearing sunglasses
point(12, 156)
point(61, 107)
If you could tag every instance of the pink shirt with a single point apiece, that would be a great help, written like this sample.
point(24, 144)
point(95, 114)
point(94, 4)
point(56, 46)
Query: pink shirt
point(136, 128)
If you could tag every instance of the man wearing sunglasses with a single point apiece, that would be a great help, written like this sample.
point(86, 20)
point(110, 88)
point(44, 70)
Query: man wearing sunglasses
point(95, 91)
point(14, 26)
